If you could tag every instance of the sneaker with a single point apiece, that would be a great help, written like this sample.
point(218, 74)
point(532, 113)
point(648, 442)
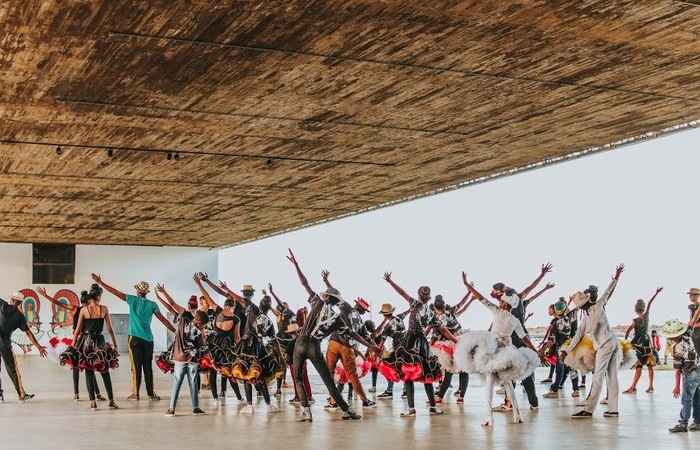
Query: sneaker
point(372, 389)
point(331, 406)
point(435, 411)
point(502, 408)
point(198, 412)
point(546, 380)
point(456, 394)
point(100, 397)
point(222, 394)
point(611, 414)
point(551, 394)
point(170, 413)
point(678, 429)
point(385, 394)
point(295, 400)
point(305, 415)
point(604, 401)
point(409, 413)
point(582, 386)
point(403, 395)
point(93, 406)
point(312, 400)
point(272, 408)
point(154, 397)
point(247, 409)
point(133, 397)
point(582, 415)
point(438, 400)
point(501, 391)
point(278, 393)
point(113, 405)
point(575, 394)
point(368, 403)
point(26, 397)
point(350, 414)
point(460, 400)
point(694, 427)
point(582, 402)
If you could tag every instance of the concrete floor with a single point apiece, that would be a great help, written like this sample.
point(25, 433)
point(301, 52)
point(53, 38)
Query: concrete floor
point(53, 420)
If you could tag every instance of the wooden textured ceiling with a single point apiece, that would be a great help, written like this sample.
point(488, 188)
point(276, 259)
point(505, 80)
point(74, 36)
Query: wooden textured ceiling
point(279, 114)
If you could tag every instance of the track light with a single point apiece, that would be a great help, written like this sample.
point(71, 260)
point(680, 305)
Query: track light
point(169, 156)
point(58, 150)
point(177, 157)
point(269, 162)
point(110, 152)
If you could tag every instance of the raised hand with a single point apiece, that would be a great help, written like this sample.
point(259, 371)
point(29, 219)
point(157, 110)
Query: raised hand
point(291, 257)
point(618, 270)
point(387, 276)
point(97, 278)
point(659, 289)
point(41, 291)
point(549, 286)
point(546, 268)
point(269, 286)
point(325, 274)
point(264, 292)
point(464, 278)
point(160, 288)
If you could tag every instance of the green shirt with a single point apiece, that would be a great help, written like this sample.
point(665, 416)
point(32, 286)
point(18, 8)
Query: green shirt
point(141, 312)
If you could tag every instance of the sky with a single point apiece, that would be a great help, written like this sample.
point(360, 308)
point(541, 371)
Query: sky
point(636, 205)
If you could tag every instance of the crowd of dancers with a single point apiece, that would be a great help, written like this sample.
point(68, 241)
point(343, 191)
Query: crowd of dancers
point(237, 341)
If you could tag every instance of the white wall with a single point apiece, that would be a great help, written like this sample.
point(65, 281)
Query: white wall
point(121, 267)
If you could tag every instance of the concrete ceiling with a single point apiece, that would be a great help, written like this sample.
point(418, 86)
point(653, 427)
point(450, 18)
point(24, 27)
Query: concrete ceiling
point(279, 114)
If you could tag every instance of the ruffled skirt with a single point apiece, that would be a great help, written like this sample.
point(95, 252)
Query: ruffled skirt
point(363, 367)
point(223, 354)
point(479, 352)
point(411, 360)
point(582, 357)
point(90, 353)
point(56, 347)
point(164, 360)
point(255, 362)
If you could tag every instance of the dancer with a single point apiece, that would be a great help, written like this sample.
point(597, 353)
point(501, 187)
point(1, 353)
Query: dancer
point(11, 319)
point(292, 330)
point(222, 340)
point(414, 362)
point(563, 327)
point(374, 360)
point(642, 343)
point(343, 348)
point(686, 362)
point(392, 327)
point(189, 347)
point(89, 351)
point(285, 317)
point(444, 348)
point(141, 312)
point(520, 311)
point(321, 322)
point(259, 359)
point(61, 347)
point(492, 353)
point(596, 324)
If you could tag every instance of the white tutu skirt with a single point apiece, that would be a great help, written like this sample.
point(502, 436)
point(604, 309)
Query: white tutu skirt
point(582, 357)
point(479, 352)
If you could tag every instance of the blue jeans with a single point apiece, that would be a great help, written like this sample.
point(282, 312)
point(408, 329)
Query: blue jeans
point(690, 398)
point(182, 370)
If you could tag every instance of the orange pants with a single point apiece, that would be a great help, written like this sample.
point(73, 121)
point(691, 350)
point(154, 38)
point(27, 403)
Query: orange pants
point(337, 351)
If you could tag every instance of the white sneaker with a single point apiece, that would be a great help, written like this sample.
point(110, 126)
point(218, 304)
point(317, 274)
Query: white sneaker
point(247, 409)
point(272, 408)
point(305, 416)
point(604, 401)
point(582, 402)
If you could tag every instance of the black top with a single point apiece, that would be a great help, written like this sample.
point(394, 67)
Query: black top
point(287, 318)
point(224, 318)
point(10, 319)
point(641, 330)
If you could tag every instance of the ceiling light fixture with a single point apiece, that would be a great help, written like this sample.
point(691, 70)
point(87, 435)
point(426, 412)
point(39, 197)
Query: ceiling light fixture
point(177, 157)
point(269, 162)
point(58, 150)
point(110, 152)
point(169, 156)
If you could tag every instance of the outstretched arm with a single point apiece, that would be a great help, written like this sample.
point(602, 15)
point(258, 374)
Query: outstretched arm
point(165, 304)
point(325, 274)
point(653, 297)
point(603, 300)
point(32, 339)
point(629, 330)
point(302, 277)
point(42, 292)
point(543, 271)
point(540, 292)
point(397, 288)
point(164, 321)
point(277, 299)
point(119, 294)
point(173, 304)
point(198, 281)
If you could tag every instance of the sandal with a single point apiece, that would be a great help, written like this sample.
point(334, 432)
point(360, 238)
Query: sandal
point(630, 391)
point(650, 390)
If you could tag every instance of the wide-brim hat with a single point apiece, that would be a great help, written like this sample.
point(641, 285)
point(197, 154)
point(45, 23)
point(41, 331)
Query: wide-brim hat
point(292, 328)
point(247, 288)
point(693, 291)
point(560, 308)
point(673, 328)
point(387, 308)
point(580, 299)
point(333, 292)
point(364, 304)
point(142, 287)
point(17, 296)
point(512, 300)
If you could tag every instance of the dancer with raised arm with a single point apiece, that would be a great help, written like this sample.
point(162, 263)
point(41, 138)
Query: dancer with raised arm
point(595, 323)
point(492, 353)
point(642, 343)
point(413, 359)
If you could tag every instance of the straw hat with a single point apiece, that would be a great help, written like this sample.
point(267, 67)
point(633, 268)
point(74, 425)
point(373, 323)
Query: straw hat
point(673, 328)
point(292, 328)
point(247, 288)
point(693, 291)
point(387, 309)
point(142, 287)
point(580, 299)
point(17, 296)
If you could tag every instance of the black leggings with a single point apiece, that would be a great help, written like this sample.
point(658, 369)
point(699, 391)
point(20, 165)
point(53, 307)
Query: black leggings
point(91, 382)
point(281, 379)
point(308, 348)
point(76, 382)
point(212, 385)
point(411, 395)
point(445, 385)
point(141, 355)
point(261, 387)
point(375, 373)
